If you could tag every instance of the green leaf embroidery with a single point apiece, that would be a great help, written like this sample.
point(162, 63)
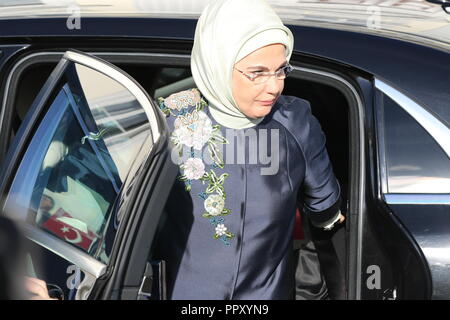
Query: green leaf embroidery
point(225, 212)
point(229, 235)
point(216, 183)
point(216, 155)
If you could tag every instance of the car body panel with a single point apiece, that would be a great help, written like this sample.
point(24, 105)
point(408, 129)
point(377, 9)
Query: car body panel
point(429, 224)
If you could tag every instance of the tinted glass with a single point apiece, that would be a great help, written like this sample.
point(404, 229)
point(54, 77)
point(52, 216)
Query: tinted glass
point(120, 121)
point(171, 80)
point(76, 163)
point(415, 162)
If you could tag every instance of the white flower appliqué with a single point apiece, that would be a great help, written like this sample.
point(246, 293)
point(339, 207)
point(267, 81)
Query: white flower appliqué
point(194, 129)
point(194, 168)
point(214, 204)
point(221, 230)
point(183, 99)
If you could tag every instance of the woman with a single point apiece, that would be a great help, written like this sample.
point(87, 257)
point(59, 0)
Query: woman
point(244, 152)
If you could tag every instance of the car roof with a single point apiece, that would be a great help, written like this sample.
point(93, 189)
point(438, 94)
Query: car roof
point(417, 20)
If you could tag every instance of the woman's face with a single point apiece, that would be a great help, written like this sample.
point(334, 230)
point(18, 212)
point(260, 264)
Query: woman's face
point(256, 100)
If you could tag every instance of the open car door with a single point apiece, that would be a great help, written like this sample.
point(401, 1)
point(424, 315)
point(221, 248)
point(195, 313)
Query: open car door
point(87, 177)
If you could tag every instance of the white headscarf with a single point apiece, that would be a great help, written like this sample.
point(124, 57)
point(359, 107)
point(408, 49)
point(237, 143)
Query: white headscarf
point(226, 32)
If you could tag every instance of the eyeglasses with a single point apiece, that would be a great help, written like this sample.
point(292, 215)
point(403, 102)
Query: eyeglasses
point(262, 77)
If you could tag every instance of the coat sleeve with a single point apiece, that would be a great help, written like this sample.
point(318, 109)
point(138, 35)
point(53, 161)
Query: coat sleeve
point(321, 190)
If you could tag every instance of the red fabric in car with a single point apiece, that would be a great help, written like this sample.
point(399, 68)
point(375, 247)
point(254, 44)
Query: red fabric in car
point(298, 230)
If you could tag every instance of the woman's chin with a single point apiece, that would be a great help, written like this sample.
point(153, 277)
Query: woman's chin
point(261, 111)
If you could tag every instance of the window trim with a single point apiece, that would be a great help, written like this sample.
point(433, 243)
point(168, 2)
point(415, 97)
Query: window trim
point(431, 124)
point(66, 251)
point(418, 198)
point(438, 130)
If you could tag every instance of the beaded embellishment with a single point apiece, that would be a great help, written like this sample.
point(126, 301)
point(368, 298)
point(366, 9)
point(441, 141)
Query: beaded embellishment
point(193, 132)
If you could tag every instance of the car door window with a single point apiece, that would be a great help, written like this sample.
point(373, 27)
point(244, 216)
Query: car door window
point(79, 156)
point(171, 80)
point(415, 162)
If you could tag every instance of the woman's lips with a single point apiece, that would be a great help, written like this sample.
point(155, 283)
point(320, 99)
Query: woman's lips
point(267, 103)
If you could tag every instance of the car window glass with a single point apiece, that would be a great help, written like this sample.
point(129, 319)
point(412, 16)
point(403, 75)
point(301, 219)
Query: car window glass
point(77, 160)
point(415, 162)
point(171, 80)
point(120, 121)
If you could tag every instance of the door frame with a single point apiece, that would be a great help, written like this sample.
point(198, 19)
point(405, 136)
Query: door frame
point(343, 79)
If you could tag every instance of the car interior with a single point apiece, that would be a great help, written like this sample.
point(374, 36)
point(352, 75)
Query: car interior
point(329, 105)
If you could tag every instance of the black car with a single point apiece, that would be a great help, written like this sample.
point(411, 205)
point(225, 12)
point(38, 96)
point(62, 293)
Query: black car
point(86, 166)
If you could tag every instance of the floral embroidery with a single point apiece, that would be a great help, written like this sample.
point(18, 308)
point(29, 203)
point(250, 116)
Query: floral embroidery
point(194, 168)
point(215, 183)
point(184, 99)
point(193, 130)
point(177, 103)
point(221, 230)
point(214, 204)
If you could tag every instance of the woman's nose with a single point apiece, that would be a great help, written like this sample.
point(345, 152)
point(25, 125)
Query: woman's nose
point(273, 85)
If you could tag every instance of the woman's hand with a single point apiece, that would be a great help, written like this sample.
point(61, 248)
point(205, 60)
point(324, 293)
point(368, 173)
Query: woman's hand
point(340, 220)
point(38, 288)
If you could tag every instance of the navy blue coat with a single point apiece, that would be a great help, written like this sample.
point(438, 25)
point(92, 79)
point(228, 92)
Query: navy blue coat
point(257, 262)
